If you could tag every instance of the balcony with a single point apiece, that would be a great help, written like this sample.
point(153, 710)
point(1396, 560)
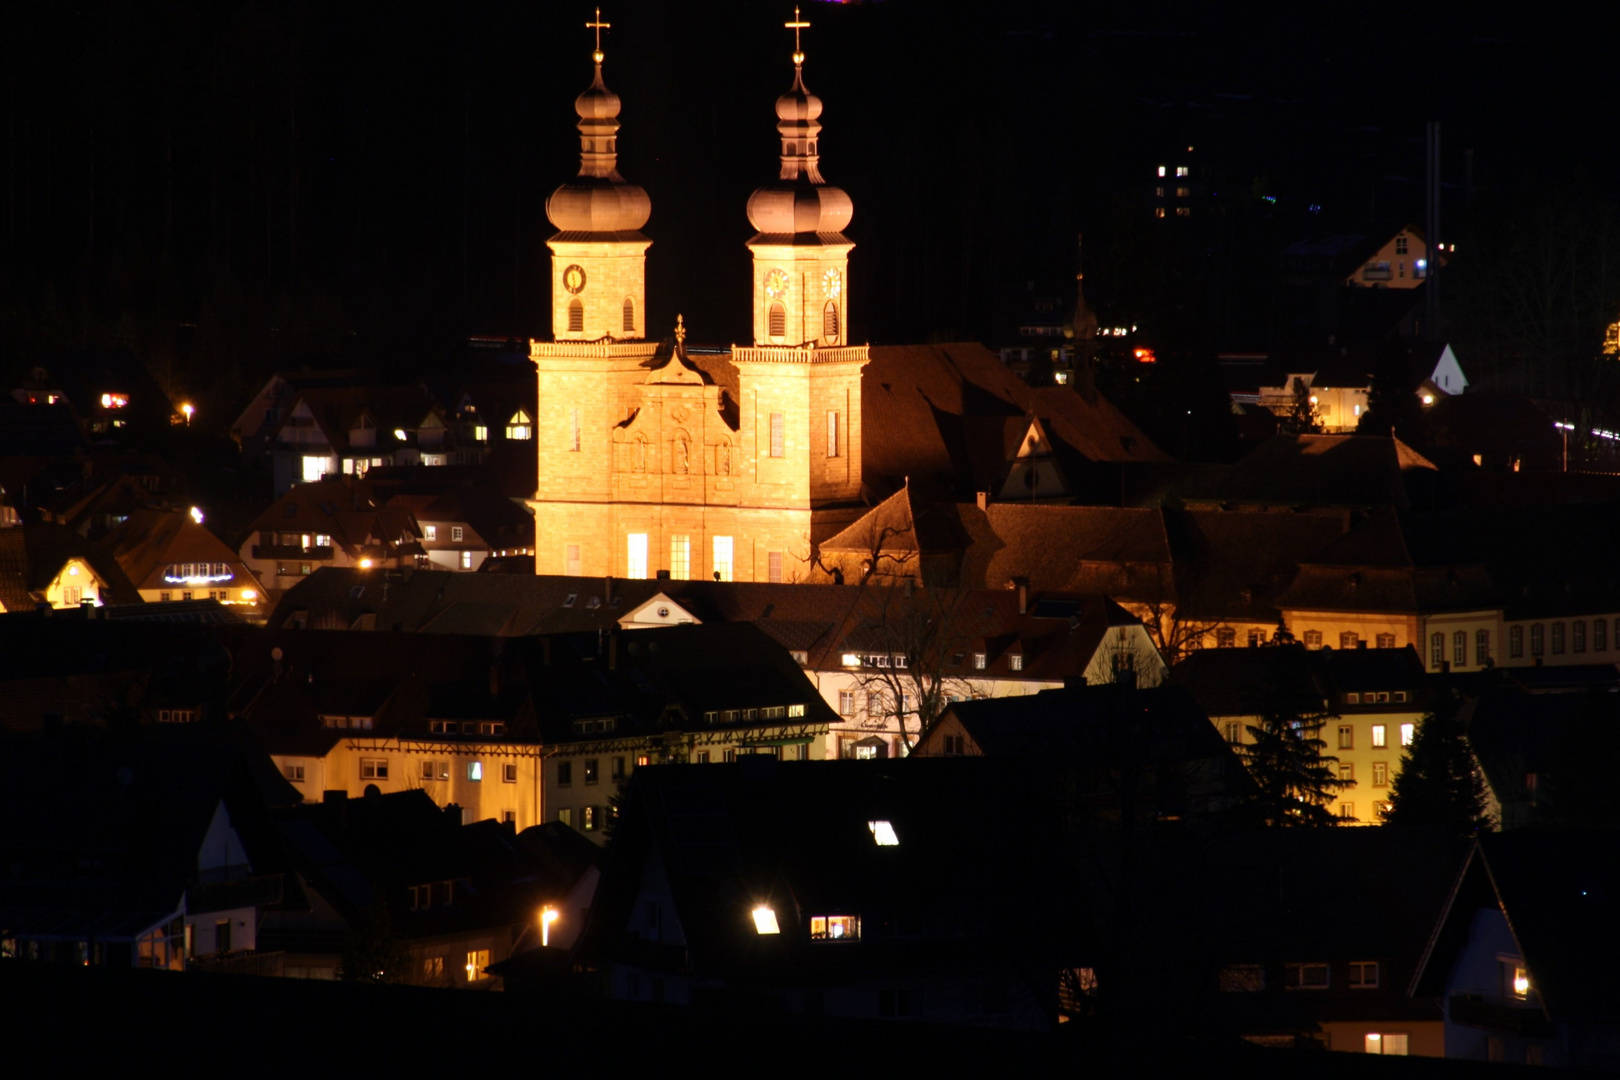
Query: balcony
point(1492, 1012)
point(291, 551)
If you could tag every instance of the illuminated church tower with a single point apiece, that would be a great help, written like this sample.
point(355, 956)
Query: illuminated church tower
point(801, 377)
point(599, 255)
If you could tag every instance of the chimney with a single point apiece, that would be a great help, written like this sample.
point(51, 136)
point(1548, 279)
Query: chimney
point(613, 651)
point(983, 499)
point(1023, 597)
point(607, 590)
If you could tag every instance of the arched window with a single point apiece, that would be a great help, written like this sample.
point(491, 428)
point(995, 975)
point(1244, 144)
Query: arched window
point(829, 323)
point(778, 320)
point(576, 317)
point(629, 315)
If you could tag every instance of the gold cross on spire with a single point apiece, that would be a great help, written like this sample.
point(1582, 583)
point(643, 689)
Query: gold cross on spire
point(796, 25)
point(680, 329)
point(599, 26)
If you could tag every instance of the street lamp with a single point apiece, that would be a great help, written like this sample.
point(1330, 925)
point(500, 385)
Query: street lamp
point(548, 915)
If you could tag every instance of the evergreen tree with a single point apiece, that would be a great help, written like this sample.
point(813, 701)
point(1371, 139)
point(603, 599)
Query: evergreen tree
point(1438, 784)
point(1301, 418)
point(372, 952)
point(1295, 782)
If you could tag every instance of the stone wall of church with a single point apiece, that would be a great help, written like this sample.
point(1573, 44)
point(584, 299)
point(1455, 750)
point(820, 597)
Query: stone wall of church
point(639, 540)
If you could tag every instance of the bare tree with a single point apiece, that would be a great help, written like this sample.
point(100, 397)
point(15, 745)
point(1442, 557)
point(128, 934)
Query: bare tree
point(913, 643)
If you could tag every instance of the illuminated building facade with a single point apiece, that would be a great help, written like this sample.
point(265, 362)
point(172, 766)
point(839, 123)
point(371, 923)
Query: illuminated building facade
point(653, 461)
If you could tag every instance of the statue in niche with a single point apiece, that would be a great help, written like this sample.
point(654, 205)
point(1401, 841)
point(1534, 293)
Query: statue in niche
point(723, 459)
point(682, 465)
point(639, 460)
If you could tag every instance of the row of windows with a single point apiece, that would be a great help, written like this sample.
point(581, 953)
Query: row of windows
point(1575, 642)
point(465, 727)
point(680, 558)
point(1459, 648)
point(1233, 732)
point(1226, 638)
point(591, 818)
point(770, 712)
point(1251, 978)
point(431, 532)
point(377, 769)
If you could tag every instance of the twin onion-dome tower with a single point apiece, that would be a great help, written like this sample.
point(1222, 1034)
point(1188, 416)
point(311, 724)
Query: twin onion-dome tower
point(651, 461)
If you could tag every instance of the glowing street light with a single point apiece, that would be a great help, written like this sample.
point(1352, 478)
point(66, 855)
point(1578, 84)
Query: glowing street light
point(197, 515)
point(548, 915)
point(365, 564)
point(188, 408)
point(765, 921)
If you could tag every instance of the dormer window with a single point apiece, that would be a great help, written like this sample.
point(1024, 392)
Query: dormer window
point(520, 427)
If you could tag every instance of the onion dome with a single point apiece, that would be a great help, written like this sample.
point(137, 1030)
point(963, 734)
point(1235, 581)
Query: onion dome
point(599, 199)
point(800, 201)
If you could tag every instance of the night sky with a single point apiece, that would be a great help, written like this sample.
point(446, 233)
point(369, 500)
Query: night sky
point(232, 187)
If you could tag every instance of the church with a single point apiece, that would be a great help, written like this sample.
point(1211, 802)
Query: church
point(736, 466)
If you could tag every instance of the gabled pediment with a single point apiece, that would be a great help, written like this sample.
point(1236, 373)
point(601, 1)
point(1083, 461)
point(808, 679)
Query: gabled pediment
point(658, 611)
point(676, 372)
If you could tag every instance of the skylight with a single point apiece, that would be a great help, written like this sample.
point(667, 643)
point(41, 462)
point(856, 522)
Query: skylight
point(883, 832)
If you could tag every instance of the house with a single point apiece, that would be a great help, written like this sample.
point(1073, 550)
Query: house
point(1521, 955)
point(111, 392)
point(331, 431)
point(526, 731)
point(153, 854)
point(1367, 701)
point(1318, 933)
point(462, 524)
point(845, 889)
point(1398, 262)
point(457, 898)
point(171, 555)
point(332, 522)
point(53, 565)
point(1097, 735)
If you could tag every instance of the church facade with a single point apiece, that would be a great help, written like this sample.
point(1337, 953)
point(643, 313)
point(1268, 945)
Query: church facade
point(652, 461)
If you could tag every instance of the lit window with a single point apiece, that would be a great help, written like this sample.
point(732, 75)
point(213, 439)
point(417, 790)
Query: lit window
point(1407, 731)
point(1158, 211)
point(1232, 731)
point(1161, 170)
point(722, 558)
point(480, 433)
point(636, 556)
point(680, 557)
point(591, 771)
point(835, 928)
point(765, 921)
point(520, 426)
point(1392, 1045)
point(1015, 661)
point(851, 659)
point(315, 468)
point(477, 962)
point(1379, 736)
point(475, 770)
point(1521, 982)
point(980, 661)
point(883, 832)
point(590, 818)
point(1181, 170)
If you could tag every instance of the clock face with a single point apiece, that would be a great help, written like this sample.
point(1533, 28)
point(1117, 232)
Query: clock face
point(574, 279)
point(776, 283)
point(832, 282)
